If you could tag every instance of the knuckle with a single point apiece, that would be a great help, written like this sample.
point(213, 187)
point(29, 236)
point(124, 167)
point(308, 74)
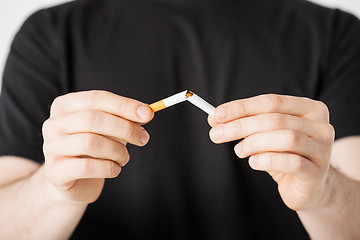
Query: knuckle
point(121, 154)
point(274, 101)
point(88, 142)
point(89, 119)
point(46, 150)
point(322, 109)
point(270, 164)
point(127, 129)
point(91, 97)
point(329, 132)
point(84, 167)
point(46, 127)
point(277, 121)
point(112, 169)
point(322, 106)
point(298, 163)
point(125, 157)
point(291, 137)
point(51, 151)
point(56, 103)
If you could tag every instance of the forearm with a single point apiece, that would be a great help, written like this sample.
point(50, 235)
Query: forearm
point(31, 209)
point(336, 216)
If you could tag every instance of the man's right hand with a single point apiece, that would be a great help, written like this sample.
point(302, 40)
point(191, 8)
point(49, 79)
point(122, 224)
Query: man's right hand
point(85, 141)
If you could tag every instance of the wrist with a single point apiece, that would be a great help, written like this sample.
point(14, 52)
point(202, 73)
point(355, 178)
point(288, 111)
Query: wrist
point(324, 197)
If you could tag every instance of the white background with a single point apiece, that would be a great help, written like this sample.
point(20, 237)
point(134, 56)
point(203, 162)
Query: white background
point(14, 12)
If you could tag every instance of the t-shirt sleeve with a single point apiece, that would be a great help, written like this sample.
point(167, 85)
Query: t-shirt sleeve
point(341, 86)
point(28, 89)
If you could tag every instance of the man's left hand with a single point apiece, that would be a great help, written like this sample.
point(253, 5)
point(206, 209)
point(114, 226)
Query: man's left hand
point(288, 137)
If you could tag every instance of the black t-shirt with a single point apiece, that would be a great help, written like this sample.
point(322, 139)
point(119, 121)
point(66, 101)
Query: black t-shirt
point(181, 185)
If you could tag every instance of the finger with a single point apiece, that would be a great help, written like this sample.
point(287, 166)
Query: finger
point(211, 120)
point(89, 145)
point(279, 141)
point(63, 173)
point(244, 127)
point(283, 163)
point(102, 101)
point(272, 103)
point(101, 123)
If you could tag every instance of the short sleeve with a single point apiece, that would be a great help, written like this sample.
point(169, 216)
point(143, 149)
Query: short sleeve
point(341, 83)
point(28, 88)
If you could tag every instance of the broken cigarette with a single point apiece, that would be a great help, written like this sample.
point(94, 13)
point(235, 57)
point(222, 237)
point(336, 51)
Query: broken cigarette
point(200, 103)
point(181, 97)
point(169, 101)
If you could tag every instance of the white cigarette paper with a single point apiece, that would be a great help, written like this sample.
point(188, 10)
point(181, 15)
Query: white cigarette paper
point(202, 104)
point(181, 97)
point(175, 99)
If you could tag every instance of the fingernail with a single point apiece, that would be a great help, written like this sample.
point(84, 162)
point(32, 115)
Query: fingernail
point(238, 149)
point(222, 113)
point(253, 160)
point(144, 137)
point(216, 133)
point(143, 112)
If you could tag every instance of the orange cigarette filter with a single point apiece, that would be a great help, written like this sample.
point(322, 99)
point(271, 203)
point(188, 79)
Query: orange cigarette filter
point(169, 101)
point(157, 106)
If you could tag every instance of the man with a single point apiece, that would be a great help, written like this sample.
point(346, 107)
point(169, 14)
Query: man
point(82, 74)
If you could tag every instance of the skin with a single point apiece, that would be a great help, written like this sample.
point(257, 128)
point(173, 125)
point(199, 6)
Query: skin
point(85, 142)
point(292, 144)
point(291, 139)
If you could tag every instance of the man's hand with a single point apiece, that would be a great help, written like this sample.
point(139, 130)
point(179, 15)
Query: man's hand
point(288, 137)
point(85, 141)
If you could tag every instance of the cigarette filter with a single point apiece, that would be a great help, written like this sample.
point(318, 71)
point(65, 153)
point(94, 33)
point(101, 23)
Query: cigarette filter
point(169, 101)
